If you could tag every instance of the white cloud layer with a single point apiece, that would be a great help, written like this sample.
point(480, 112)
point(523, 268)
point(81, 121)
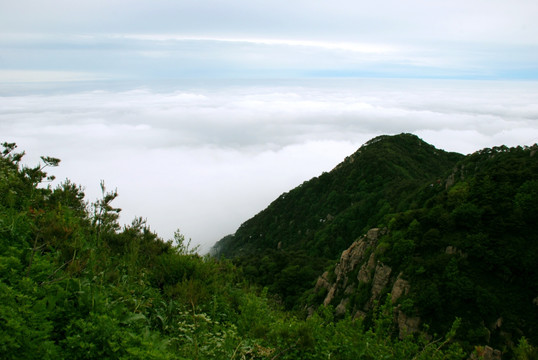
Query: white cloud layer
point(137, 92)
point(205, 157)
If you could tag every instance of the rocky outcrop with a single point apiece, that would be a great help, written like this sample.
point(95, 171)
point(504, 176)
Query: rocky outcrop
point(341, 308)
point(452, 250)
point(351, 258)
point(381, 279)
point(400, 287)
point(330, 296)
point(323, 281)
point(486, 353)
point(451, 180)
point(407, 325)
point(372, 276)
point(365, 272)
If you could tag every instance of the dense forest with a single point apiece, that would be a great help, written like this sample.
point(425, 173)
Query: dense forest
point(290, 243)
point(459, 230)
point(75, 284)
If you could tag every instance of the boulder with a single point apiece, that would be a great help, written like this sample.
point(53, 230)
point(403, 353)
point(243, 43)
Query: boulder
point(365, 272)
point(407, 325)
point(400, 287)
point(381, 279)
point(486, 353)
point(341, 308)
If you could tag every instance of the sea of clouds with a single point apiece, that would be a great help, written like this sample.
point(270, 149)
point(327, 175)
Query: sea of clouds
point(206, 156)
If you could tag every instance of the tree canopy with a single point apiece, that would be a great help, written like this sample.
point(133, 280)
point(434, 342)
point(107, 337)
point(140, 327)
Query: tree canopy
point(75, 284)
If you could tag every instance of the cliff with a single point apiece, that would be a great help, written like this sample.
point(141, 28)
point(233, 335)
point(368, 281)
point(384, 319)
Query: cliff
point(361, 280)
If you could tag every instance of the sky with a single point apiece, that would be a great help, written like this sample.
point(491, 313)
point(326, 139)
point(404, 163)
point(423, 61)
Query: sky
point(202, 112)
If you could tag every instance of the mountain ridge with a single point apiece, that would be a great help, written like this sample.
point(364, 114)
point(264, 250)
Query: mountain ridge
point(460, 230)
point(459, 255)
point(340, 180)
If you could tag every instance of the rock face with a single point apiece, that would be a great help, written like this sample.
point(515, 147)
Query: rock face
point(373, 279)
point(355, 255)
point(365, 273)
point(400, 287)
point(381, 279)
point(350, 259)
point(486, 353)
point(406, 324)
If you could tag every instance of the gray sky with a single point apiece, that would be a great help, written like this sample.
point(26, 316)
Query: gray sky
point(202, 112)
point(238, 38)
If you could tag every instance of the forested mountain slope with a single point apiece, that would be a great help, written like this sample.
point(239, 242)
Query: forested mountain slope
point(457, 238)
point(468, 250)
point(287, 245)
point(74, 284)
point(324, 214)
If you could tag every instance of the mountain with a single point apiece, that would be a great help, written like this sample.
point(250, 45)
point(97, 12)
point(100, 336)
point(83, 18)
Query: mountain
point(447, 236)
point(287, 245)
point(75, 284)
point(468, 251)
point(379, 178)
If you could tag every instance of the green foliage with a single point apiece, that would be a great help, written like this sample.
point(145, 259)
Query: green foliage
point(323, 216)
point(468, 248)
point(74, 284)
point(26, 328)
point(525, 351)
point(463, 229)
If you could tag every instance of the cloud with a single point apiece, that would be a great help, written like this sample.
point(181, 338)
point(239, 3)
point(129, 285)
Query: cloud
point(22, 76)
point(245, 39)
point(458, 20)
point(345, 46)
point(206, 156)
point(136, 92)
point(270, 116)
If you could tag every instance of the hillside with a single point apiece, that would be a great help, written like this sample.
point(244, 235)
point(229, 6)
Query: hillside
point(468, 251)
point(380, 177)
point(457, 238)
point(74, 284)
point(287, 245)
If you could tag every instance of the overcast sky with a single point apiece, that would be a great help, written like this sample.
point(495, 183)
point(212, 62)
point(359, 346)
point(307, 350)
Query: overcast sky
point(202, 112)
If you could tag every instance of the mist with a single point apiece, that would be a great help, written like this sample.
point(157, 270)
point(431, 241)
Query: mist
point(204, 157)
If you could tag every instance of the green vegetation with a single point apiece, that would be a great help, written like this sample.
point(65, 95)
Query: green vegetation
point(470, 248)
point(461, 229)
point(322, 217)
point(74, 284)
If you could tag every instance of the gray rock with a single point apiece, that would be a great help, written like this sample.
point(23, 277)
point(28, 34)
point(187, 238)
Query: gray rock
point(381, 279)
point(365, 272)
point(407, 325)
point(486, 353)
point(400, 287)
point(341, 308)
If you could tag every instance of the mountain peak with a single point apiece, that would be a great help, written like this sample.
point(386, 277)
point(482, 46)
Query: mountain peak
point(401, 136)
point(457, 227)
point(364, 186)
